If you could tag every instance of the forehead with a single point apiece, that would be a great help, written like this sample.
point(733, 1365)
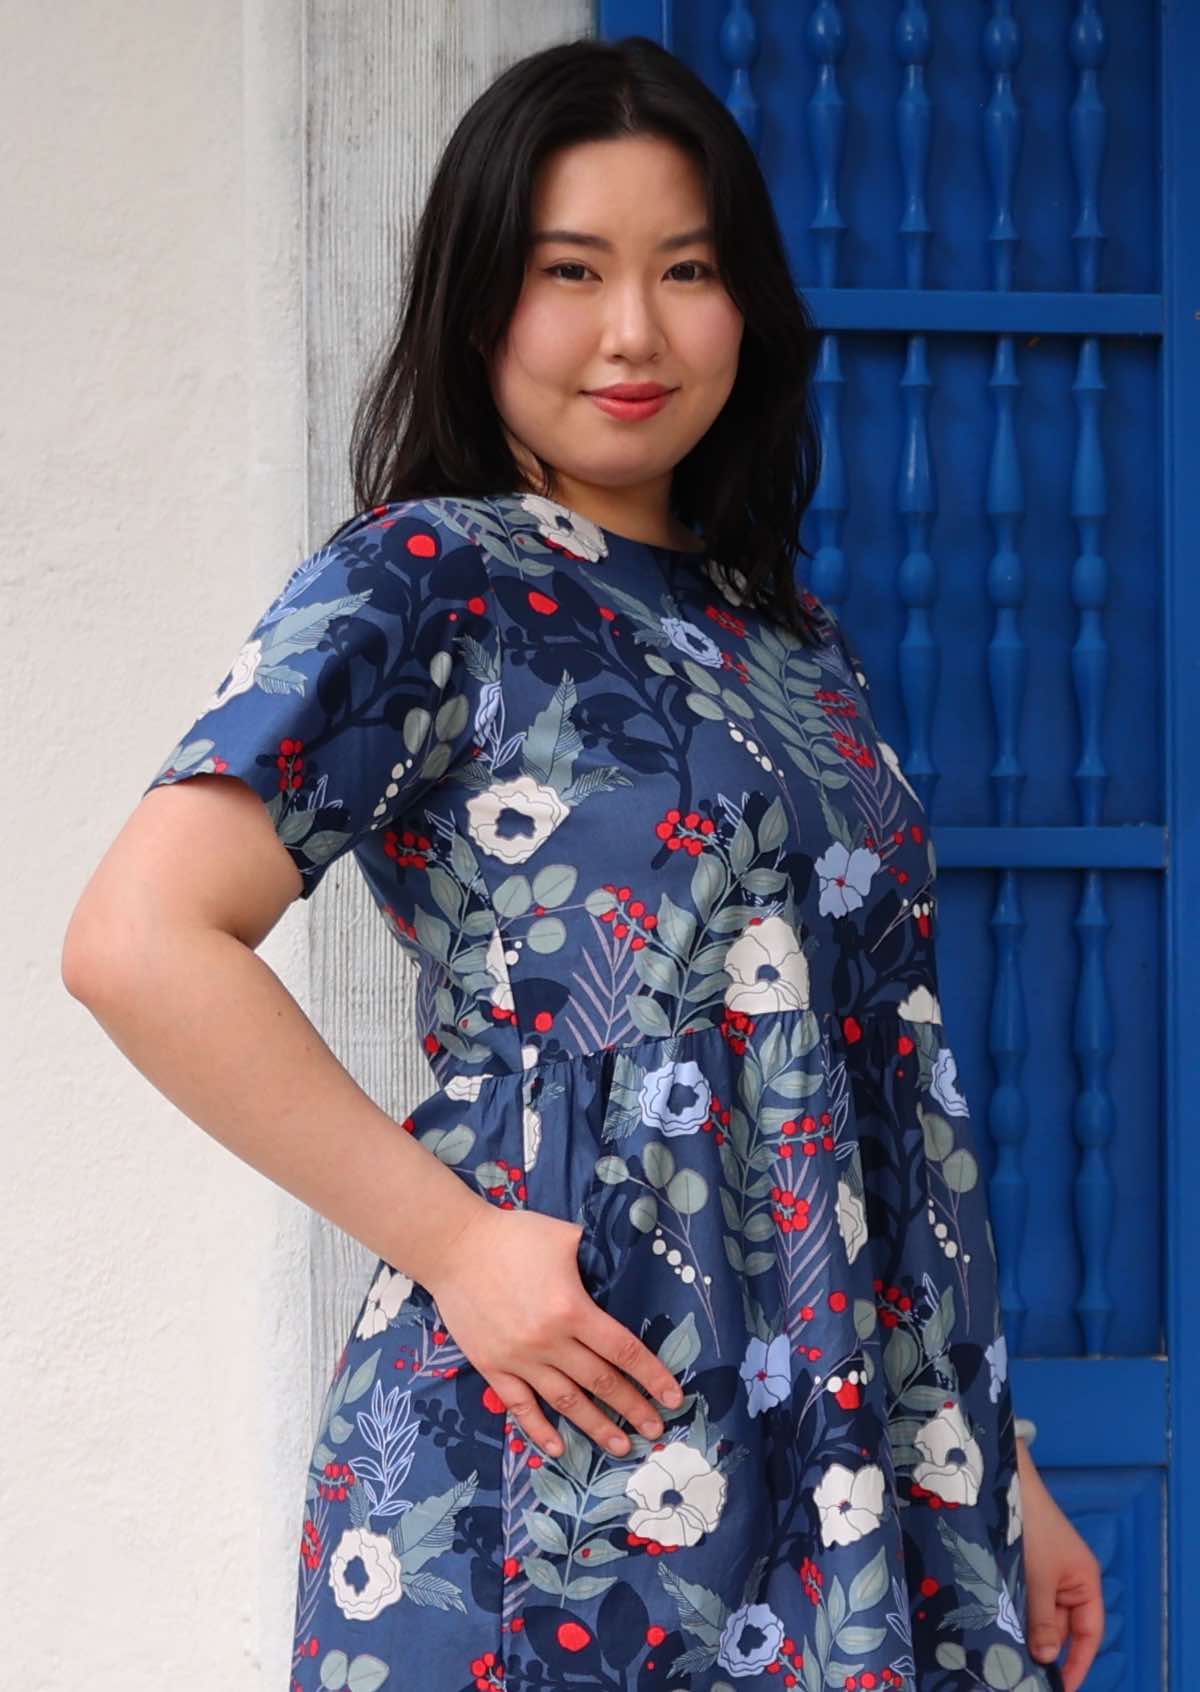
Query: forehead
point(637, 188)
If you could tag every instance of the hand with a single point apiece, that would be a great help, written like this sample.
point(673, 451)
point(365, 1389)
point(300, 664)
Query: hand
point(512, 1298)
point(1062, 1578)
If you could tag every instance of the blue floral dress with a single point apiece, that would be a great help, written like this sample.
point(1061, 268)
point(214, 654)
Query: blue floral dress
point(673, 906)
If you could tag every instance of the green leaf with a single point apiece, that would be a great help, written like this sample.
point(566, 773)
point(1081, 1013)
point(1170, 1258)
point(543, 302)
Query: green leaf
point(939, 1136)
point(514, 896)
point(589, 1586)
point(859, 1640)
point(700, 677)
point(900, 1358)
point(681, 1347)
point(865, 1318)
point(658, 1162)
point(643, 1213)
point(866, 1589)
point(1002, 1667)
point(773, 826)
point(543, 1575)
point(545, 1531)
point(334, 1667)
point(676, 927)
point(960, 1170)
point(647, 1015)
point(703, 706)
point(612, 1170)
point(546, 934)
point(554, 883)
point(366, 1673)
point(687, 1192)
point(708, 878)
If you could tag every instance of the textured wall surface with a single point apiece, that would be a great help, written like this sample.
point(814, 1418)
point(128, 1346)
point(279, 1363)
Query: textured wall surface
point(174, 307)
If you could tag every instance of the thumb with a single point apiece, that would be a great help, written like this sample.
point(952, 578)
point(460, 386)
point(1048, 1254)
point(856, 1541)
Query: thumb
point(1045, 1630)
point(1042, 1617)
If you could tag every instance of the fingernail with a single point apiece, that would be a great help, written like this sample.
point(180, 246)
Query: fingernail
point(672, 1396)
point(652, 1428)
point(617, 1443)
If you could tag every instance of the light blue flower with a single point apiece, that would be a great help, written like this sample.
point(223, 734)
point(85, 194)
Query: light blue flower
point(688, 638)
point(997, 1356)
point(944, 1083)
point(845, 877)
point(750, 1639)
point(661, 1104)
point(766, 1370)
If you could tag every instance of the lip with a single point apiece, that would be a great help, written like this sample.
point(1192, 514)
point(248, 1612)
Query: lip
point(631, 410)
point(629, 390)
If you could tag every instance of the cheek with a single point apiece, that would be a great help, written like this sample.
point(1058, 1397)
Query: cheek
point(546, 339)
point(714, 336)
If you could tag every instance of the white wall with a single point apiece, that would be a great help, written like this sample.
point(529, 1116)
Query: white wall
point(154, 1300)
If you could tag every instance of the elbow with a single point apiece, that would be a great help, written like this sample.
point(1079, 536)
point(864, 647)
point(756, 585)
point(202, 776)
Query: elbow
point(89, 957)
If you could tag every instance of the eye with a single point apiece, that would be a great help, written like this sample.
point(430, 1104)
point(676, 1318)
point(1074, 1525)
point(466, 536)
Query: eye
point(577, 264)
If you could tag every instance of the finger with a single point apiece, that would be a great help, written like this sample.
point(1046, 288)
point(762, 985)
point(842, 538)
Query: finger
point(1087, 1633)
point(617, 1392)
point(521, 1402)
point(1045, 1623)
point(609, 1338)
point(570, 1400)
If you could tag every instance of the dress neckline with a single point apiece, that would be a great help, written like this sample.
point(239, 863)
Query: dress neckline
point(577, 518)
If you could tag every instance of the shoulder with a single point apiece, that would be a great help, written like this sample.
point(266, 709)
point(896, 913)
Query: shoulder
point(434, 546)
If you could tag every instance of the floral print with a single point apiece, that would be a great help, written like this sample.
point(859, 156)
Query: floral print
point(673, 906)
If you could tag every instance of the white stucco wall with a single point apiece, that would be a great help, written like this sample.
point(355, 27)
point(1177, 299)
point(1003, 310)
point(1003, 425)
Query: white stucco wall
point(154, 1295)
point(153, 471)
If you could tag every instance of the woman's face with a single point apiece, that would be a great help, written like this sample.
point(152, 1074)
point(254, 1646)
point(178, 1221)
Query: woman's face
point(617, 298)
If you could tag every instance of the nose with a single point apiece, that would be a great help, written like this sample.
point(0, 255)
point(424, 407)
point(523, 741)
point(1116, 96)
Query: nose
point(632, 326)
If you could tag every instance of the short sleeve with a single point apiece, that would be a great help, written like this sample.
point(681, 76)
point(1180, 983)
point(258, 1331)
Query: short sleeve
point(367, 681)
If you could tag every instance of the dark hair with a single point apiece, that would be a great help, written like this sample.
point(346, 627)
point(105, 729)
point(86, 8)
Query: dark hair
point(427, 423)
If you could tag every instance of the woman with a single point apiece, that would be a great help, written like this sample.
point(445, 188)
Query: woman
point(616, 787)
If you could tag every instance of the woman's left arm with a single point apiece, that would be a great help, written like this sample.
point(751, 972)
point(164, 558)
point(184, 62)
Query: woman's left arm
point(1062, 1578)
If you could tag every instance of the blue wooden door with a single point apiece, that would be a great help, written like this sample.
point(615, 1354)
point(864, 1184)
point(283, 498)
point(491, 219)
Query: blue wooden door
point(994, 212)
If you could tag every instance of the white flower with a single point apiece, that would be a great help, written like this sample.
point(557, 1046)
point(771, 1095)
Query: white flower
point(727, 581)
point(1016, 1518)
point(531, 1121)
point(379, 1583)
point(388, 1292)
point(540, 803)
point(501, 992)
point(772, 947)
point(850, 1502)
point(852, 1220)
point(678, 1493)
point(893, 764)
point(953, 1463)
point(920, 1006)
point(565, 530)
point(241, 676)
point(944, 1085)
point(464, 1086)
point(845, 877)
point(662, 1109)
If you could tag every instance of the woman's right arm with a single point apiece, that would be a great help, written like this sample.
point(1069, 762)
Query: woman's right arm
point(161, 950)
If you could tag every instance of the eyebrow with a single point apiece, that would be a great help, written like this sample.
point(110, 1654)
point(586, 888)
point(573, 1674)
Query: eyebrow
point(576, 238)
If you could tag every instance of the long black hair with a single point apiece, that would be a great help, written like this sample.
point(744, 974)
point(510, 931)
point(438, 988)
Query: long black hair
point(427, 423)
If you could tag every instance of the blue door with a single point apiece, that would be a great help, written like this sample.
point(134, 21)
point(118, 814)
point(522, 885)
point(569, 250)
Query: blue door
point(994, 213)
